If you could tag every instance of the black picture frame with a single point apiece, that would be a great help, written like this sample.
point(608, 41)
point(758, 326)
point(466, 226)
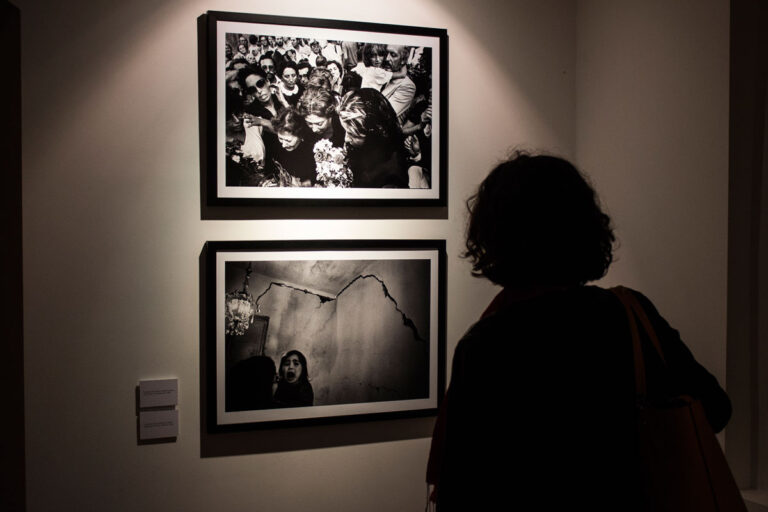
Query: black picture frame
point(230, 165)
point(368, 317)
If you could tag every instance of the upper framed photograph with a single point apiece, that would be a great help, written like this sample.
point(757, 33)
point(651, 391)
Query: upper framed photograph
point(303, 332)
point(322, 112)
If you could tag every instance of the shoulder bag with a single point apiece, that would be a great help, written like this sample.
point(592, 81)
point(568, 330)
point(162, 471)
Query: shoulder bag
point(683, 466)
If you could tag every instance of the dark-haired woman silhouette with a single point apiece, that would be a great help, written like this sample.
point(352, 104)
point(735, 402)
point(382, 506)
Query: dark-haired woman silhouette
point(540, 412)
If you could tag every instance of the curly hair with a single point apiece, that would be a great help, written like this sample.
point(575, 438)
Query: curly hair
point(289, 121)
point(320, 77)
point(535, 220)
point(367, 114)
point(316, 101)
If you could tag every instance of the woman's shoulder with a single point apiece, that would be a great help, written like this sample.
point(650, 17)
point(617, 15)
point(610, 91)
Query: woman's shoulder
point(560, 301)
point(577, 300)
point(570, 311)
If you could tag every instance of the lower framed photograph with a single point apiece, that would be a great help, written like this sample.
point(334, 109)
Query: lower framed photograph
point(303, 332)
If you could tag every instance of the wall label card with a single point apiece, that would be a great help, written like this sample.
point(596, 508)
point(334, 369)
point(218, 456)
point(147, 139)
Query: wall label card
point(158, 424)
point(158, 393)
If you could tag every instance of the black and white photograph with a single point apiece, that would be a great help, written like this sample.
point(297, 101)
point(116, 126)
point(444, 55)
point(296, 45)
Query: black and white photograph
point(325, 111)
point(325, 329)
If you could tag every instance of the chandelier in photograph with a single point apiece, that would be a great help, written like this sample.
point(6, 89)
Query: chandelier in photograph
point(240, 308)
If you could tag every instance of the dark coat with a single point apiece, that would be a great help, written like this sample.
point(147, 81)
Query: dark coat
point(294, 395)
point(541, 405)
point(379, 166)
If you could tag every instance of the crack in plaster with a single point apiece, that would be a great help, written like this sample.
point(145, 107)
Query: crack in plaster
point(323, 299)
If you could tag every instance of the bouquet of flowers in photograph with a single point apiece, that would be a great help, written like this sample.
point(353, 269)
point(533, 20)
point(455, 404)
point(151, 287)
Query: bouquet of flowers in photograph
point(331, 165)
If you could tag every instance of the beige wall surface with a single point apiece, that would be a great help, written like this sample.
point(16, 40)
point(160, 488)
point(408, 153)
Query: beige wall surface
point(113, 235)
point(113, 229)
point(652, 130)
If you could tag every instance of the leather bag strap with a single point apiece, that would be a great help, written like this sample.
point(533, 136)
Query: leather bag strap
point(635, 314)
point(631, 298)
point(637, 347)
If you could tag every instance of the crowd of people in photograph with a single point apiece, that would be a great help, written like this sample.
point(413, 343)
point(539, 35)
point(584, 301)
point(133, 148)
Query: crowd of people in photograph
point(313, 113)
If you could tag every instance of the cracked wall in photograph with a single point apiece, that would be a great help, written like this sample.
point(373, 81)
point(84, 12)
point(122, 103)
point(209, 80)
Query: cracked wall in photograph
point(363, 325)
point(381, 355)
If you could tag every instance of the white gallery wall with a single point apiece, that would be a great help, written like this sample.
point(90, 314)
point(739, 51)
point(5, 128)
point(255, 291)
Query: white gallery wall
point(652, 130)
point(113, 229)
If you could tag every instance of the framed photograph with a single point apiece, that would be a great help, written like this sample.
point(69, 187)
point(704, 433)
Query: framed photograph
point(323, 331)
point(322, 112)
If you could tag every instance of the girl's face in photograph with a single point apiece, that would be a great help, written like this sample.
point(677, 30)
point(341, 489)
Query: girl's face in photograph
point(291, 369)
point(377, 59)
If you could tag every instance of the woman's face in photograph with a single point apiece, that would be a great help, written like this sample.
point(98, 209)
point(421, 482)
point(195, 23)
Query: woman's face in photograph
point(268, 65)
point(263, 93)
point(256, 88)
point(352, 140)
point(289, 77)
point(291, 369)
point(335, 74)
point(318, 124)
point(289, 141)
point(304, 76)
